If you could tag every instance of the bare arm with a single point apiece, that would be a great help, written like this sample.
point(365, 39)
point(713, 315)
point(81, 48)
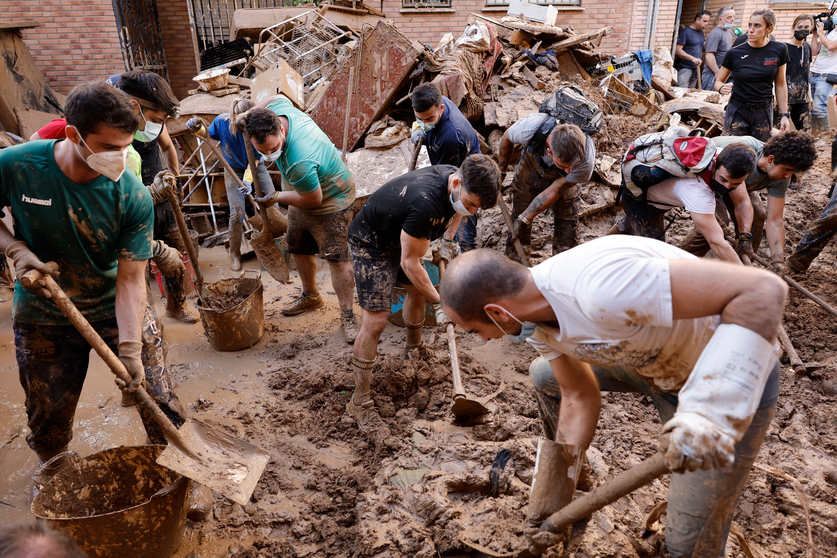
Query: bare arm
point(581, 401)
point(169, 150)
point(829, 44)
point(747, 296)
point(686, 56)
point(6, 238)
point(721, 85)
point(774, 226)
point(545, 199)
point(130, 298)
point(782, 88)
point(34, 137)
point(743, 207)
point(453, 227)
point(412, 250)
point(506, 150)
point(710, 61)
point(714, 235)
point(304, 201)
point(815, 42)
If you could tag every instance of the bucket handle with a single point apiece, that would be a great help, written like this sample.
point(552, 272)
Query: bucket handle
point(48, 470)
point(257, 272)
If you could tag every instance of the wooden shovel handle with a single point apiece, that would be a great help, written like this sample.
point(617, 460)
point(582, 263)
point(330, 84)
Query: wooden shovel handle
point(825, 306)
point(34, 277)
point(416, 152)
point(458, 390)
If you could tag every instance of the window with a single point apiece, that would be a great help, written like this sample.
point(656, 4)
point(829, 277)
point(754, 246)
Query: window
point(426, 4)
point(557, 3)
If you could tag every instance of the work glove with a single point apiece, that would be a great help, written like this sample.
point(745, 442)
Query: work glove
point(269, 199)
point(417, 135)
point(158, 187)
point(439, 313)
point(245, 190)
point(777, 262)
point(25, 261)
point(194, 125)
point(130, 353)
point(693, 442)
point(745, 243)
point(444, 250)
point(542, 540)
point(518, 228)
point(169, 260)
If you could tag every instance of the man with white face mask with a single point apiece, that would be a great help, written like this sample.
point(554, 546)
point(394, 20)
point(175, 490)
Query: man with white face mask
point(633, 314)
point(387, 240)
point(76, 209)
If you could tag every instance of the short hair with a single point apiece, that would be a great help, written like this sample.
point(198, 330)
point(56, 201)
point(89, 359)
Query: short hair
point(150, 87)
point(738, 158)
point(90, 105)
point(425, 96)
point(568, 143)
point(767, 15)
point(800, 18)
point(260, 123)
point(792, 149)
point(239, 106)
point(702, 13)
point(723, 10)
point(481, 177)
point(35, 539)
point(477, 278)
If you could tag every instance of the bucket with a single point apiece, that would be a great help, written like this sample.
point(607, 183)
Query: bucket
point(234, 316)
point(115, 503)
point(212, 79)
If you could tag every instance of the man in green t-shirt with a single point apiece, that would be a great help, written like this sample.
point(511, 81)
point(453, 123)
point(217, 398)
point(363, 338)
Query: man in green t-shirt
point(77, 209)
point(319, 191)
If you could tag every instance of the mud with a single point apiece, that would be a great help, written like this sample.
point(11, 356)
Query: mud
point(228, 293)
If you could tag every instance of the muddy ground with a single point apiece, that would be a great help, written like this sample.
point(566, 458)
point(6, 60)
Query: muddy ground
point(331, 491)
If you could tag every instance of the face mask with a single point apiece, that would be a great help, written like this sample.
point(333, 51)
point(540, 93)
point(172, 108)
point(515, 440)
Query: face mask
point(800, 34)
point(272, 156)
point(109, 163)
point(426, 127)
point(526, 330)
point(719, 188)
point(150, 132)
point(834, 18)
point(458, 206)
point(728, 25)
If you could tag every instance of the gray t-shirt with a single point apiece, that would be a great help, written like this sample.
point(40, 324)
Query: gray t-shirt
point(718, 42)
point(756, 180)
point(523, 131)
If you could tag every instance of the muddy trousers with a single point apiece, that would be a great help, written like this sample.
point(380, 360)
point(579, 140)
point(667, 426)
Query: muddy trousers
point(694, 243)
point(564, 215)
point(816, 237)
point(52, 363)
point(165, 229)
point(700, 504)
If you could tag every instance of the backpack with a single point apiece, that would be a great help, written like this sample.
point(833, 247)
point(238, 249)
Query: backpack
point(676, 151)
point(568, 105)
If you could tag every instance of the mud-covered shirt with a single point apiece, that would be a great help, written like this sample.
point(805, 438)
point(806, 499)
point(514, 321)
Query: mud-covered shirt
point(612, 300)
point(798, 73)
point(417, 203)
point(83, 227)
point(756, 180)
point(754, 70)
point(232, 146)
point(309, 161)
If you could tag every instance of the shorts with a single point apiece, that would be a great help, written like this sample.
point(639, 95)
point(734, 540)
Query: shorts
point(319, 234)
point(376, 276)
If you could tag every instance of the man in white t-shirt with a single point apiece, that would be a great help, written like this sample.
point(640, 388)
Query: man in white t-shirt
point(725, 175)
point(825, 63)
point(633, 314)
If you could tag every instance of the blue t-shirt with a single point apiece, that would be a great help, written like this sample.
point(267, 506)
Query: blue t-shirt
point(232, 146)
point(453, 138)
point(692, 41)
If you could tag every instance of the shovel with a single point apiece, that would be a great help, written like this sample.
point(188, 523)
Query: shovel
point(263, 244)
point(624, 484)
point(197, 451)
point(463, 408)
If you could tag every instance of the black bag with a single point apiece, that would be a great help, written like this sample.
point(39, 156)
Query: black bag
point(831, 78)
point(568, 105)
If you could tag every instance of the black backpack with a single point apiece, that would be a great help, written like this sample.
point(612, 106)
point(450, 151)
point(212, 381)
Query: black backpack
point(568, 105)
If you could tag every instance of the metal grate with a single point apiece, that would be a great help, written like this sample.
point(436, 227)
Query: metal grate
point(140, 35)
point(308, 42)
point(425, 3)
point(539, 2)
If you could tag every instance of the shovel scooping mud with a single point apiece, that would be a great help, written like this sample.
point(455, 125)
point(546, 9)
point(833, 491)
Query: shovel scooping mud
point(197, 451)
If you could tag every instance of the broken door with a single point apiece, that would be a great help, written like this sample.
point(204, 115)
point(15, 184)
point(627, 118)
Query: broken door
point(140, 35)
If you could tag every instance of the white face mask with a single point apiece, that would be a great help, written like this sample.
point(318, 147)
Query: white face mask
point(109, 163)
point(275, 155)
point(458, 206)
point(150, 132)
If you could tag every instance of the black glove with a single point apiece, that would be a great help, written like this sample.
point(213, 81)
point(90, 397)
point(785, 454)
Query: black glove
point(194, 124)
point(745, 243)
point(518, 229)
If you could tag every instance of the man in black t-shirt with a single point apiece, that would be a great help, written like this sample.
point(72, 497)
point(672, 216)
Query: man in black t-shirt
point(689, 50)
point(387, 240)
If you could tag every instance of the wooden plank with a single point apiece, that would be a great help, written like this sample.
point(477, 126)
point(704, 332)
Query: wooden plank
point(530, 76)
point(578, 39)
point(240, 81)
point(660, 86)
point(20, 24)
point(30, 121)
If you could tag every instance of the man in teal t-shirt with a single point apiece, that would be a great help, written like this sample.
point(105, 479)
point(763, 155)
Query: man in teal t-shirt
point(76, 208)
point(319, 191)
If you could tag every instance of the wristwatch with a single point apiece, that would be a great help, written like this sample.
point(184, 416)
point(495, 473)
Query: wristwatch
point(784, 114)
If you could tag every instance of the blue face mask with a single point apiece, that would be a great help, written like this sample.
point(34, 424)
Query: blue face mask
point(728, 25)
point(527, 329)
point(834, 17)
point(425, 127)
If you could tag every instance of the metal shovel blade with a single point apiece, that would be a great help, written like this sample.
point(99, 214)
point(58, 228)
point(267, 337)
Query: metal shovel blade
point(814, 366)
point(270, 256)
point(464, 408)
point(225, 464)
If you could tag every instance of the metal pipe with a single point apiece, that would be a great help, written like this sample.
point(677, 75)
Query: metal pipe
point(676, 25)
point(647, 40)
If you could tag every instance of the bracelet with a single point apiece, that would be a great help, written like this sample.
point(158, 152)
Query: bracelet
point(449, 240)
point(743, 234)
point(782, 114)
point(526, 221)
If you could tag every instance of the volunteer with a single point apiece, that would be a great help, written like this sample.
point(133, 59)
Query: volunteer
point(718, 43)
point(825, 44)
point(798, 73)
point(816, 238)
point(689, 50)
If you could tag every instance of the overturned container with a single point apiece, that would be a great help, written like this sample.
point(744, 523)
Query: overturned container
point(232, 313)
point(115, 503)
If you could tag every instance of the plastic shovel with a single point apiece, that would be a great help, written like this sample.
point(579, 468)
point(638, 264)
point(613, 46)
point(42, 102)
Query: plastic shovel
point(197, 451)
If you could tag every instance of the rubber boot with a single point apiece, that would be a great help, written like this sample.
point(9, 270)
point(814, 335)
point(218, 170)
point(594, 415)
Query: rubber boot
point(360, 406)
point(413, 335)
point(45, 456)
point(824, 129)
point(235, 245)
point(7, 284)
point(200, 501)
point(557, 469)
point(176, 301)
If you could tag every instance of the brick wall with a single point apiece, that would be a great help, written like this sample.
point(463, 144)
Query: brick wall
point(177, 43)
point(77, 40)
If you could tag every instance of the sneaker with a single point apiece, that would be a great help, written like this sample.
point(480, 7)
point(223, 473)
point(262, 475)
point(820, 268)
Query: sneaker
point(794, 266)
point(303, 303)
point(349, 326)
point(367, 418)
point(182, 314)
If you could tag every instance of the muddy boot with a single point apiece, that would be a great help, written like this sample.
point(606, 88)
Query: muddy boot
point(44, 456)
point(235, 246)
point(557, 468)
point(200, 502)
point(415, 348)
point(303, 303)
point(176, 301)
point(7, 284)
point(360, 406)
point(349, 325)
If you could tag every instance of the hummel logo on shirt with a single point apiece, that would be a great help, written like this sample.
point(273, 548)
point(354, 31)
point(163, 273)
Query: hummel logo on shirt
point(35, 201)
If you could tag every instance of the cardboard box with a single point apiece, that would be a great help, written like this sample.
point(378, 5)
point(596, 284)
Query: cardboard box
point(534, 12)
point(281, 79)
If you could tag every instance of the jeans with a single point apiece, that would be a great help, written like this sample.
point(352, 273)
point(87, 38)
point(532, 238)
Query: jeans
point(466, 236)
point(234, 197)
point(700, 504)
point(820, 89)
point(687, 77)
point(816, 237)
point(708, 81)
